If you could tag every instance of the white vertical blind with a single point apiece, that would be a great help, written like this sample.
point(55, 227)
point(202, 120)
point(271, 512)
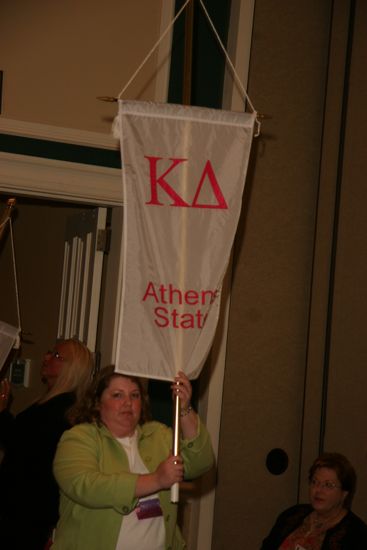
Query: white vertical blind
point(82, 275)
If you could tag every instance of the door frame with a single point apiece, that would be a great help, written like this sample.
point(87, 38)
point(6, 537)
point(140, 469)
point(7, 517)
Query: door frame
point(102, 186)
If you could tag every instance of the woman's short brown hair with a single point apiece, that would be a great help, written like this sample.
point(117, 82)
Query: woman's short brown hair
point(88, 409)
point(344, 470)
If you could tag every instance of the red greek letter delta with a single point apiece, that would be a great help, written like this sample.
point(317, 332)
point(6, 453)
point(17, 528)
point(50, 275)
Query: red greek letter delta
point(159, 180)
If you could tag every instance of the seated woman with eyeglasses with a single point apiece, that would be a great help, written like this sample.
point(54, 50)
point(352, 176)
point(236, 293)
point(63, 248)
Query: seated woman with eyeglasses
point(29, 496)
point(327, 523)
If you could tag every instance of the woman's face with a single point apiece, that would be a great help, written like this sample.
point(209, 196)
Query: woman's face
point(54, 361)
point(120, 406)
point(326, 495)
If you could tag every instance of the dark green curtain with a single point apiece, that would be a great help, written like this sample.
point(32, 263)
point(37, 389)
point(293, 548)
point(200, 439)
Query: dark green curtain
point(59, 151)
point(208, 59)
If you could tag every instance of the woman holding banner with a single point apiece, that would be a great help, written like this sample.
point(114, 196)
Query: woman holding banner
point(115, 468)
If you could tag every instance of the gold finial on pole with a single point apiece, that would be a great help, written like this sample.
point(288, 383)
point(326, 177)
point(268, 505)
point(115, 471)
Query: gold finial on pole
point(107, 98)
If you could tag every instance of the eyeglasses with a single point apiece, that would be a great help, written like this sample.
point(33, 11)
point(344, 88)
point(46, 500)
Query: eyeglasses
point(54, 353)
point(328, 485)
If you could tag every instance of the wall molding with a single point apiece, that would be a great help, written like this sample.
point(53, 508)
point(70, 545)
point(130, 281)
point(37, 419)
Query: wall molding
point(60, 180)
point(55, 133)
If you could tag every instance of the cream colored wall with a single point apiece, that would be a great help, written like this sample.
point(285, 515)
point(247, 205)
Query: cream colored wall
point(57, 57)
point(295, 370)
point(345, 423)
point(272, 273)
point(326, 223)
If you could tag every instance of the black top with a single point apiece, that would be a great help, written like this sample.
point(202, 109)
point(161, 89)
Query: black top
point(349, 534)
point(29, 494)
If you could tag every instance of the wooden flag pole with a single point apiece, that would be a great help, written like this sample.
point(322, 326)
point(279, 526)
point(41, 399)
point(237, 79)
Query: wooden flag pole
point(175, 489)
point(186, 100)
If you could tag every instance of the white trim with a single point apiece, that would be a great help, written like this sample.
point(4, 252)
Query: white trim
point(239, 47)
point(213, 413)
point(240, 31)
point(56, 133)
point(164, 52)
point(60, 180)
point(95, 292)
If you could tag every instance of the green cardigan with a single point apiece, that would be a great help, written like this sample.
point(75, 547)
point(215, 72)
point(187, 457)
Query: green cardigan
point(97, 488)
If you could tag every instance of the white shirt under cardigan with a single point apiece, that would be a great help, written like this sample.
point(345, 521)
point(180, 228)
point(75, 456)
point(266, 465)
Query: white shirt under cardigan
point(145, 534)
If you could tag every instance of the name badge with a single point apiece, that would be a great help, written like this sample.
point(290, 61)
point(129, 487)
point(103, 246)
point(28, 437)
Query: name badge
point(149, 508)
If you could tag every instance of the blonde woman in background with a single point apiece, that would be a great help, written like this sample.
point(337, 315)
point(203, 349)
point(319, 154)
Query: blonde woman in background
point(29, 497)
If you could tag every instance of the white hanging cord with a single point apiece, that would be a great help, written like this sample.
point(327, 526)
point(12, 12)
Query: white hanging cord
point(15, 274)
point(234, 72)
point(10, 204)
point(237, 78)
point(154, 47)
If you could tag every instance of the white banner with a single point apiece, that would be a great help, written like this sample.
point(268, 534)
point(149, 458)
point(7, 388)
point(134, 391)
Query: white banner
point(8, 337)
point(184, 170)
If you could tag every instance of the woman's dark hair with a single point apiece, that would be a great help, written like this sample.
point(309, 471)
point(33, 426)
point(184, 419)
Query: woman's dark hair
point(88, 409)
point(344, 470)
